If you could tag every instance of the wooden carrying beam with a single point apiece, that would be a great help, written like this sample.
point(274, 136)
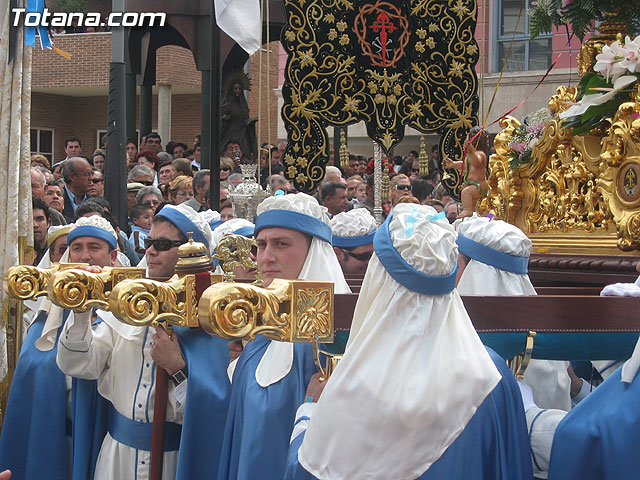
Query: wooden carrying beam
point(565, 327)
point(541, 313)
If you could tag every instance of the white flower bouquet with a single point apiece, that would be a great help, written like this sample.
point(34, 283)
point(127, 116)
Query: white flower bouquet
point(617, 70)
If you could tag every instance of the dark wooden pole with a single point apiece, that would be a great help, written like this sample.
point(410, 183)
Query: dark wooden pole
point(214, 89)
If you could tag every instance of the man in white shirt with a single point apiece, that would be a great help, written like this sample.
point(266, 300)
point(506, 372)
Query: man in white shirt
point(124, 358)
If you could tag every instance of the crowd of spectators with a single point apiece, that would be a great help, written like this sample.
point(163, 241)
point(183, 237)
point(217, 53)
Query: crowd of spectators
point(158, 176)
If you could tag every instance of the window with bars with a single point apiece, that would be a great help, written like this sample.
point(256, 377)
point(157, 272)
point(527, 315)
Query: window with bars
point(42, 142)
point(525, 54)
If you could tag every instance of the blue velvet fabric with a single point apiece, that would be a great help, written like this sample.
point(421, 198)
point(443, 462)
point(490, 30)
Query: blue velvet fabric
point(599, 438)
point(260, 420)
point(90, 416)
point(493, 446)
point(34, 442)
point(208, 392)
point(564, 346)
point(495, 258)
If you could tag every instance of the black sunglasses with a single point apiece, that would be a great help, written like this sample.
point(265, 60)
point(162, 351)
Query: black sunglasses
point(402, 187)
point(363, 257)
point(415, 170)
point(96, 180)
point(225, 169)
point(161, 244)
point(145, 182)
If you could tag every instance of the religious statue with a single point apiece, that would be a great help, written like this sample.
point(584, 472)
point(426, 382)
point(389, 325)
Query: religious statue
point(236, 124)
point(474, 170)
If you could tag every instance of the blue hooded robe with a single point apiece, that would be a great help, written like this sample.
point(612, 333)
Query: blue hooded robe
point(494, 445)
point(599, 438)
point(34, 440)
point(205, 414)
point(260, 420)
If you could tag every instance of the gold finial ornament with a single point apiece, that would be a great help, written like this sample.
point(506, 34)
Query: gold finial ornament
point(423, 158)
point(235, 251)
point(77, 289)
point(25, 282)
point(385, 186)
point(193, 257)
point(344, 151)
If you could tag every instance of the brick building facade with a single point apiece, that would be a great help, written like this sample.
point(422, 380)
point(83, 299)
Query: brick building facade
point(69, 97)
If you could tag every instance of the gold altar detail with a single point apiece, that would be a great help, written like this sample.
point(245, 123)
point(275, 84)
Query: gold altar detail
point(608, 31)
point(287, 310)
point(77, 289)
point(578, 194)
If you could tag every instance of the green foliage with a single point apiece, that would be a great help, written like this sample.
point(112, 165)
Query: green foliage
point(595, 114)
point(543, 16)
point(518, 160)
point(580, 15)
point(73, 6)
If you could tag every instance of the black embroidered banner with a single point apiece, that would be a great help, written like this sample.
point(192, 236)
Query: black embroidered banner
point(390, 64)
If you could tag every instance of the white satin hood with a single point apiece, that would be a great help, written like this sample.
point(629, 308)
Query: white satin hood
point(55, 313)
point(548, 380)
point(354, 223)
point(414, 371)
point(481, 279)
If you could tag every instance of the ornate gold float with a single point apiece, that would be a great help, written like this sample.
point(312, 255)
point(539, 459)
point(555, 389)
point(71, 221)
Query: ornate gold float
point(287, 310)
point(578, 194)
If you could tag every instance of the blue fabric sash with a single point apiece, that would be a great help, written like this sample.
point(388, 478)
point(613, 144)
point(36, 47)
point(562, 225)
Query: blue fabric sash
point(489, 256)
point(182, 223)
point(215, 224)
point(92, 231)
point(138, 434)
point(346, 242)
point(245, 231)
point(295, 221)
point(405, 274)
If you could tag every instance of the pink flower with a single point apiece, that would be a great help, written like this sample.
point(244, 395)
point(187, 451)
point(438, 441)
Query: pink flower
point(608, 63)
point(631, 60)
point(518, 147)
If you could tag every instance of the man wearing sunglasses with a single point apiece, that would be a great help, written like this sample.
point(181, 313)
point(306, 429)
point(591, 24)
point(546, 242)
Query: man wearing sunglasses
point(353, 240)
point(96, 185)
point(124, 360)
